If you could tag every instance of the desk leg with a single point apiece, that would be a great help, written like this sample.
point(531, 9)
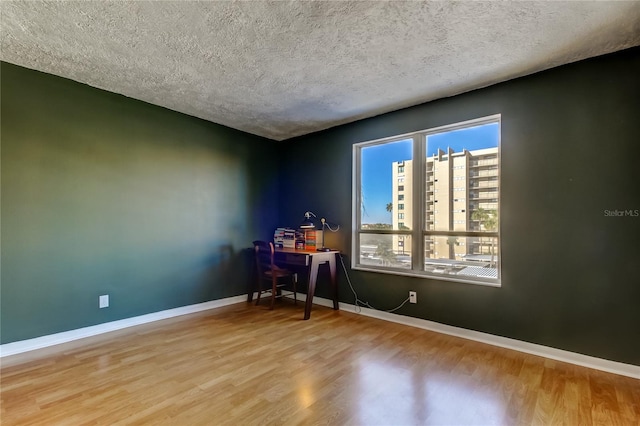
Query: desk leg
point(313, 278)
point(316, 260)
point(251, 285)
point(334, 282)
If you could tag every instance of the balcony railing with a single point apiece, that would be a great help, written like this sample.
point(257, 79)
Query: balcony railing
point(484, 184)
point(484, 163)
point(483, 196)
point(484, 173)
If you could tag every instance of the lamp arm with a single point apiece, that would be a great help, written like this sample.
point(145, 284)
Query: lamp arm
point(324, 223)
point(308, 214)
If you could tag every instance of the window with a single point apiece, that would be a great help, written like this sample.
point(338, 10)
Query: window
point(457, 242)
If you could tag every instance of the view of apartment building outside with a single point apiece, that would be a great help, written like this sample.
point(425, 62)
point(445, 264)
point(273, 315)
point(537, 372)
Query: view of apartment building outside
point(427, 203)
point(461, 195)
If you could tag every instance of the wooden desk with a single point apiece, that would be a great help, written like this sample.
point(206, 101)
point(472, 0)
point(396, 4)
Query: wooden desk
point(311, 260)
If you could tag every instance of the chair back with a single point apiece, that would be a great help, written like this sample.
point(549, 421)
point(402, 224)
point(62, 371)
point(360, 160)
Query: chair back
point(264, 253)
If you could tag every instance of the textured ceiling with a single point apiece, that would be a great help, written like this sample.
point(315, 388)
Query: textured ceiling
point(283, 69)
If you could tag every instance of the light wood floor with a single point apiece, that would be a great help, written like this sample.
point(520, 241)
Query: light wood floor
point(245, 365)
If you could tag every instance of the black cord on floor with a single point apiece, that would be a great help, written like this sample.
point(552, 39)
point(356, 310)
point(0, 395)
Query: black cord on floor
point(359, 302)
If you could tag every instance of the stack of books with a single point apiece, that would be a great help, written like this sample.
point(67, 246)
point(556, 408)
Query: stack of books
point(284, 238)
point(310, 242)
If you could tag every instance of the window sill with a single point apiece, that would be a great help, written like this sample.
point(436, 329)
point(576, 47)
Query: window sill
point(415, 274)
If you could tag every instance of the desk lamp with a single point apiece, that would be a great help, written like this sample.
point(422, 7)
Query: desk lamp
point(308, 223)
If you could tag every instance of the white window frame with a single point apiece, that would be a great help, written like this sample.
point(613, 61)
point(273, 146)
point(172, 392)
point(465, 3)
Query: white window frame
point(418, 230)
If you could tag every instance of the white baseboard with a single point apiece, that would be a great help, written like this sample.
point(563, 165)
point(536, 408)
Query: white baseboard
point(21, 346)
point(615, 367)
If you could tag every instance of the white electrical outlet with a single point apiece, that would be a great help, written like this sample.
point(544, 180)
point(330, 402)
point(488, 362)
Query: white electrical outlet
point(413, 297)
point(103, 301)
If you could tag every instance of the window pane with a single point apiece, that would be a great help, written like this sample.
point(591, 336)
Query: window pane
point(462, 256)
point(457, 184)
point(462, 179)
point(385, 250)
point(385, 180)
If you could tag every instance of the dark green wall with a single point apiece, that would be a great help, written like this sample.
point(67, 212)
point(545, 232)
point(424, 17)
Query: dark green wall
point(570, 151)
point(102, 194)
point(105, 194)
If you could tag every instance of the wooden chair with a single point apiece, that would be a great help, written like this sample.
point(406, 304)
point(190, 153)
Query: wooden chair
point(270, 272)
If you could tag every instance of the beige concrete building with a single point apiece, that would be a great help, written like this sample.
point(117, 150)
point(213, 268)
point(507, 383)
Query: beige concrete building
point(402, 216)
point(457, 185)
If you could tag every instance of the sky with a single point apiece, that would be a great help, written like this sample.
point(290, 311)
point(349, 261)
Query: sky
point(376, 164)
